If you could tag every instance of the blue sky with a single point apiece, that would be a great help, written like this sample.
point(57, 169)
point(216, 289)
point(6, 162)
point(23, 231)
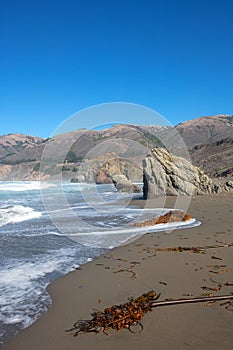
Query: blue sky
point(59, 57)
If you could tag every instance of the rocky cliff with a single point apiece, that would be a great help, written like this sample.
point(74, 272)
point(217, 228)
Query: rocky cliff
point(166, 174)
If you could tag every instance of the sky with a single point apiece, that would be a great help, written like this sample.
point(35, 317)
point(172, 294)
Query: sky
point(60, 57)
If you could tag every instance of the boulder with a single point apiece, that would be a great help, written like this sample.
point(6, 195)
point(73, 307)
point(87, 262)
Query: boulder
point(101, 171)
point(166, 174)
point(123, 184)
point(102, 178)
point(119, 166)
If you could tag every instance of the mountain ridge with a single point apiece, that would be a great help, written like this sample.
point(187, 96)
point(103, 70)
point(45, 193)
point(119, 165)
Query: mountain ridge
point(207, 139)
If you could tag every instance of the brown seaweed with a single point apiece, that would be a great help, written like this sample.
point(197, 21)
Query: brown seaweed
point(130, 314)
point(171, 216)
point(125, 315)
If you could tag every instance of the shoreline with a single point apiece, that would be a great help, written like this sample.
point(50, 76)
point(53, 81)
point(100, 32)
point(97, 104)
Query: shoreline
point(137, 267)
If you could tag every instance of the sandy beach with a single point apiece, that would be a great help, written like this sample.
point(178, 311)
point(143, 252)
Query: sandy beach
point(138, 267)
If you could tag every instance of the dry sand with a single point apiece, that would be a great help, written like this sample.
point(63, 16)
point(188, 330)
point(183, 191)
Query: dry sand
point(135, 268)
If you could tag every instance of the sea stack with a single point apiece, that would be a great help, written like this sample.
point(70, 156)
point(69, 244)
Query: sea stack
point(167, 175)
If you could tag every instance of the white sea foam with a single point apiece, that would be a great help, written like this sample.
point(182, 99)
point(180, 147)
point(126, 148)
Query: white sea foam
point(17, 213)
point(112, 238)
point(68, 209)
point(145, 229)
point(23, 286)
point(39, 234)
point(23, 279)
point(20, 186)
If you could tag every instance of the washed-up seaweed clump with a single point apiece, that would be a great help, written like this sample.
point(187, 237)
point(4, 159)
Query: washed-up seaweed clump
point(171, 216)
point(130, 314)
point(125, 315)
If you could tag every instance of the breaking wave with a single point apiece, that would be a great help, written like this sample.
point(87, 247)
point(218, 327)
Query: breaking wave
point(20, 186)
point(17, 213)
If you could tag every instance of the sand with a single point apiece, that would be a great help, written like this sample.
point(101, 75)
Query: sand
point(137, 267)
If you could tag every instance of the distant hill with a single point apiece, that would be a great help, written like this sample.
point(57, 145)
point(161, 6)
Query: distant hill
point(210, 143)
point(202, 130)
point(206, 130)
point(208, 139)
point(20, 155)
point(13, 146)
point(215, 158)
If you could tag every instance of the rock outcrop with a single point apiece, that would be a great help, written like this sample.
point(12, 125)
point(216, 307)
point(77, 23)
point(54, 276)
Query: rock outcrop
point(102, 178)
point(165, 174)
point(123, 184)
point(119, 166)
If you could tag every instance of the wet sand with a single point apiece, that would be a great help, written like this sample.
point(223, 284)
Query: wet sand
point(137, 267)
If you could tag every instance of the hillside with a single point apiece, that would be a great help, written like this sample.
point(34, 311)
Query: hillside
point(215, 158)
point(20, 155)
point(202, 130)
point(206, 130)
point(208, 140)
point(210, 143)
point(16, 147)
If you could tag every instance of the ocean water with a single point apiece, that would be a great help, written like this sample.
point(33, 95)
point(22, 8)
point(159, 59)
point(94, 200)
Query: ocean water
point(49, 229)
